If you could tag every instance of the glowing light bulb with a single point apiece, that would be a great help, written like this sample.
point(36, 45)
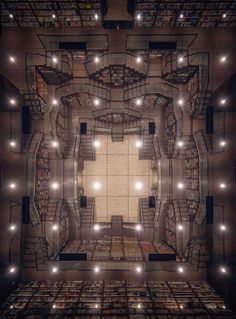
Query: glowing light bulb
point(138, 59)
point(96, 227)
point(55, 227)
point(55, 185)
point(96, 269)
point(54, 270)
point(96, 59)
point(138, 144)
point(138, 185)
point(96, 143)
point(180, 185)
point(138, 227)
point(138, 269)
point(180, 227)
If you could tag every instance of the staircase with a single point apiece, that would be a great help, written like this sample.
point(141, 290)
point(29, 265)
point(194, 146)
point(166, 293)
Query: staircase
point(197, 252)
point(199, 102)
point(147, 218)
point(87, 218)
point(86, 148)
point(35, 252)
point(181, 210)
point(147, 148)
point(35, 103)
point(117, 133)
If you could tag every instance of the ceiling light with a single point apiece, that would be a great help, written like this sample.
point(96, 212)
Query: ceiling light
point(138, 227)
point(223, 270)
point(180, 59)
point(11, 16)
point(96, 102)
point(181, 16)
point(224, 15)
point(138, 144)
point(55, 185)
point(96, 185)
point(12, 101)
point(54, 144)
point(222, 143)
point(138, 269)
point(138, 102)
point(181, 307)
point(138, 17)
point(180, 143)
point(96, 143)
point(96, 227)
point(180, 227)
point(54, 59)
point(12, 185)
point(180, 269)
point(12, 227)
point(54, 270)
point(96, 59)
point(223, 227)
point(54, 102)
point(223, 307)
point(54, 306)
point(96, 269)
point(55, 227)
point(11, 307)
point(180, 185)
point(96, 306)
point(139, 305)
point(180, 102)
point(12, 143)
point(12, 59)
point(138, 59)
point(223, 59)
point(222, 101)
point(222, 185)
point(12, 270)
point(54, 16)
point(96, 17)
point(138, 185)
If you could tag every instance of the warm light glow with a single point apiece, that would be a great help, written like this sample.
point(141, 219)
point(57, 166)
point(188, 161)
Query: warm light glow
point(96, 59)
point(96, 102)
point(138, 144)
point(180, 269)
point(96, 143)
point(12, 143)
point(54, 270)
point(180, 59)
point(223, 307)
point(181, 16)
point(138, 227)
point(222, 101)
point(224, 15)
point(223, 59)
point(54, 59)
point(11, 307)
point(138, 185)
point(54, 102)
point(139, 306)
point(96, 185)
point(181, 307)
point(54, 306)
point(55, 185)
point(222, 143)
point(96, 269)
point(138, 17)
point(12, 185)
point(54, 16)
point(12, 227)
point(138, 59)
point(12, 101)
point(222, 185)
point(96, 227)
point(223, 228)
point(180, 143)
point(12, 59)
point(180, 227)
point(180, 101)
point(96, 17)
point(54, 144)
point(11, 16)
point(180, 185)
point(223, 270)
point(138, 269)
point(55, 227)
point(96, 306)
point(12, 270)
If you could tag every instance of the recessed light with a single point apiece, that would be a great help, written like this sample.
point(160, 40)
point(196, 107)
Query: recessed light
point(54, 185)
point(222, 185)
point(138, 144)
point(138, 101)
point(180, 101)
point(180, 143)
point(12, 143)
point(223, 228)
point(138, 185)
point(96, 102)
point(138, 269)
point(223, 307)
point(54, 101)
point(139, 306)
point(54, 270)
point(222, 101)
point(54, 144)
point(180, 227)
point(180, 269)
point(11, 16)
point(181, 307)
point(96, 269)
point(12, 59)
point(222, 143)
point(12, 101)
point(180, 59)
point(181, 16)
point(11, 306)
point(55, 227)
point(223, 270)
point(12, 227)
point(96, 59)
point(223, 59)
point(96, 185)
point(138, 59)
point(96, 17)
point(138, 17)
point(138, 227)
point(96, 143)
point(224, 15)
point(96, 227)
point(12, 270)
point(96, 306)
point(54, 16)
point(54, 59)
point(54, 306)
point(12, 185)
point(180, 185)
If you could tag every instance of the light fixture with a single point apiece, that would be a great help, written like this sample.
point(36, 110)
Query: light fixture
point(54, 144)
point(96, 143)
point(11, 16)
point(180, 143)
point(96, 59)
point(138, 101)
point(11, 306)
point(96, 17)
point(12, 270)
point(54, 185)
point(54, 102)
point(181, 16)
point(223, 307)
point(54, 59)
point(139, 305)
point(180, 185)
point(12, 59)
point(223, 228)
point(96, 269)
point(54, 16)
point(224, 15)
point(138, 227)
point(222, 101)
point(96, 102)
point(54, 270)
point(223, 270)
point(12, 143)
point(96, 185)
point(138, 59)
point(181, 307)
point(12, 227)
point(180, 59)
point(222, 143)
point(222, 185)
point(12, 101)
point(138, 17)
point(180, 269)
point(54, 306)
point(12, 185)
point(96, 306)
point(96, 227)
point(180, 227)
point(223, 59)
point(138, 185)
point(138, 269)
point(138, 144)
point(180, 101)
point(55, 227)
